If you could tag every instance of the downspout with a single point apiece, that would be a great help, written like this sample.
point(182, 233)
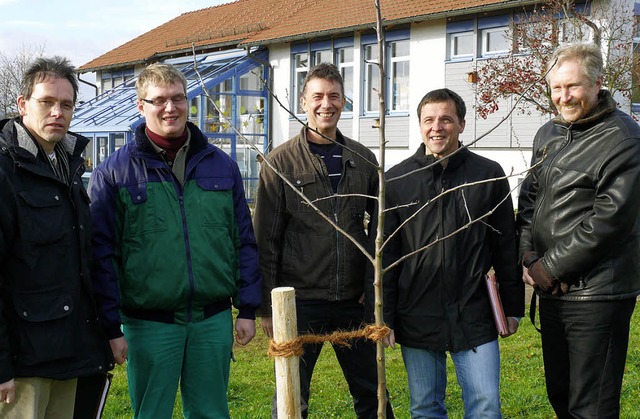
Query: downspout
point(90, 84)
point(267, 110)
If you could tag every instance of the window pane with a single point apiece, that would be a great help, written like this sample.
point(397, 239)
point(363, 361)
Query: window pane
point(400, 86)
point(251, 110)
point(495, 40)
point(103, 152)
point(347, 77)
point(214, 121)
point(301, 60)
point(461, 44)
point(372, 88)
point(345, 55)
point(251, 80)
point(194, 105)
point(300, 75)
point(400, 49)
point(371, 53)
point(322, 57)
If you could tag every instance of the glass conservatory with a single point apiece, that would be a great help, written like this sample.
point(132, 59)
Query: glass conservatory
point(228, 100)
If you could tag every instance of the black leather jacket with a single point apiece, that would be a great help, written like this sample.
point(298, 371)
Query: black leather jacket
point(48, 321)
point(300, 249)
point(578, 209)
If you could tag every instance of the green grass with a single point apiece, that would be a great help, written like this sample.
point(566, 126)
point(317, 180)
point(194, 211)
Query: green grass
point(522, 382)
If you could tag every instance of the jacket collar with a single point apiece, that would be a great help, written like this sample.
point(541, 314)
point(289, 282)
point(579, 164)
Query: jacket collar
point(455, 159)
point(197, 140)
point(16, 136)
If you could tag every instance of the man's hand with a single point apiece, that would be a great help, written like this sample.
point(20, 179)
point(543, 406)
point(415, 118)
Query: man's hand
point(119, 348)
point(8, 391)
point(512, 326)
point(526, 278)
point(267, 326)
point(389, 340)
point(540, 276)
point(245, 331)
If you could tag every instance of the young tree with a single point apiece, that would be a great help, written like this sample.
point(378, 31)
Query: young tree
point(535, 33)
point(12, 67)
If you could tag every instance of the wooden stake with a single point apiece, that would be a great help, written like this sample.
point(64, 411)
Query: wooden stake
point(285, 329)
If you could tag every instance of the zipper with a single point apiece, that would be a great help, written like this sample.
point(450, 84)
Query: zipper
point(329, 190)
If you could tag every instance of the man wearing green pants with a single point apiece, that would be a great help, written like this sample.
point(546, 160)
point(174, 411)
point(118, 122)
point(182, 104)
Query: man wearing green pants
point(173, 249)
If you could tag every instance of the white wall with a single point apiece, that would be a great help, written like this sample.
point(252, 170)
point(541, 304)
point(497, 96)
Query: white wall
point(429, 71)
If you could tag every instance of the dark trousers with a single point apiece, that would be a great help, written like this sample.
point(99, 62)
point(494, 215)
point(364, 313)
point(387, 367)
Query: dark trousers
point(584, 344)
point(358, 362)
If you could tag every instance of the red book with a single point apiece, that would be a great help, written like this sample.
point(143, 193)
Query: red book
point(496, 305)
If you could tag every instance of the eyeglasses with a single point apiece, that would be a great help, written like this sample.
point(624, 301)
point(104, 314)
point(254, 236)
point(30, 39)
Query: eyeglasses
point(48, 104)
point(162, 101)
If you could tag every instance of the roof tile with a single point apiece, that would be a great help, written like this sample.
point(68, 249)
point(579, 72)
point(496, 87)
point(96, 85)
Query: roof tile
point(256, 22)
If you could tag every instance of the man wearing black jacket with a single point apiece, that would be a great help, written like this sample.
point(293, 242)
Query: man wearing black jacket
point(49, 334)
point(436, 301)
point(580, 236)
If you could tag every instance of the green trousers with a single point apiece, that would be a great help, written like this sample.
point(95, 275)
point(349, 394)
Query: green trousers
point(194, 355)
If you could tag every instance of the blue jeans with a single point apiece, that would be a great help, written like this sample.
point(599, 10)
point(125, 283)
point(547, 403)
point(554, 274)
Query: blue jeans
point(478, 373)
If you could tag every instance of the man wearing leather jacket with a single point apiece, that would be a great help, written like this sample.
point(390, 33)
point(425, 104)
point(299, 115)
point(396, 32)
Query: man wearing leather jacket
point(578, 214)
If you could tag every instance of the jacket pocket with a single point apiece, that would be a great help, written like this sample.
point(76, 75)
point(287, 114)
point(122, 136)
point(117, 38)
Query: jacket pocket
point(144, 213)
point(45, 327)
point(307, 184)
point(41, 216)
point(215, 201)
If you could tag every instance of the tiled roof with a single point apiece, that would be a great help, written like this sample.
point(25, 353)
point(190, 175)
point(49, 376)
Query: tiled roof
point(257, 22)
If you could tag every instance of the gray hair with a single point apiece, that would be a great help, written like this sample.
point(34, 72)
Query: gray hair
point(588, 55)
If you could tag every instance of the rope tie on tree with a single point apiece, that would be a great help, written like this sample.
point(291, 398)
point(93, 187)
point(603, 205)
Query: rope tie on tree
point(295, 347)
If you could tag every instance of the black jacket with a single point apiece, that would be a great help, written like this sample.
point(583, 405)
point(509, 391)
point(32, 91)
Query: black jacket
point(300, 249)
point(48, 324)
point(578, 209)
point(437, 299)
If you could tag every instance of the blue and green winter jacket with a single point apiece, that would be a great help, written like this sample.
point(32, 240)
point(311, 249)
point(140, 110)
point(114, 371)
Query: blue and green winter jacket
point(170, 252)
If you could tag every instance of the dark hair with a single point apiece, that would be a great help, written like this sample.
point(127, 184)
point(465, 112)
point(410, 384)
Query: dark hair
point(45, 68)
point(326, 71)
point(444, 95)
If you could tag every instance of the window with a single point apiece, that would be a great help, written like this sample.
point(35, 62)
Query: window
point(112, 79)
point(399, 76)
point(301, 67)
point(494, 35)
point(481, 37)
point(495, 41)
point(304, 56)
point(371, 79)
point(460, 39)
point(397, 82)
point(461, 44)
point(344, 61)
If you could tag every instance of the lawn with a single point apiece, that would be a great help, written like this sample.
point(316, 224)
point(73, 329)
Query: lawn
point(522, 387)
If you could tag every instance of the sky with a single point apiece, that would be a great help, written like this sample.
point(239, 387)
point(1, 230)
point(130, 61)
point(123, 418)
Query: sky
point(83, 30)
